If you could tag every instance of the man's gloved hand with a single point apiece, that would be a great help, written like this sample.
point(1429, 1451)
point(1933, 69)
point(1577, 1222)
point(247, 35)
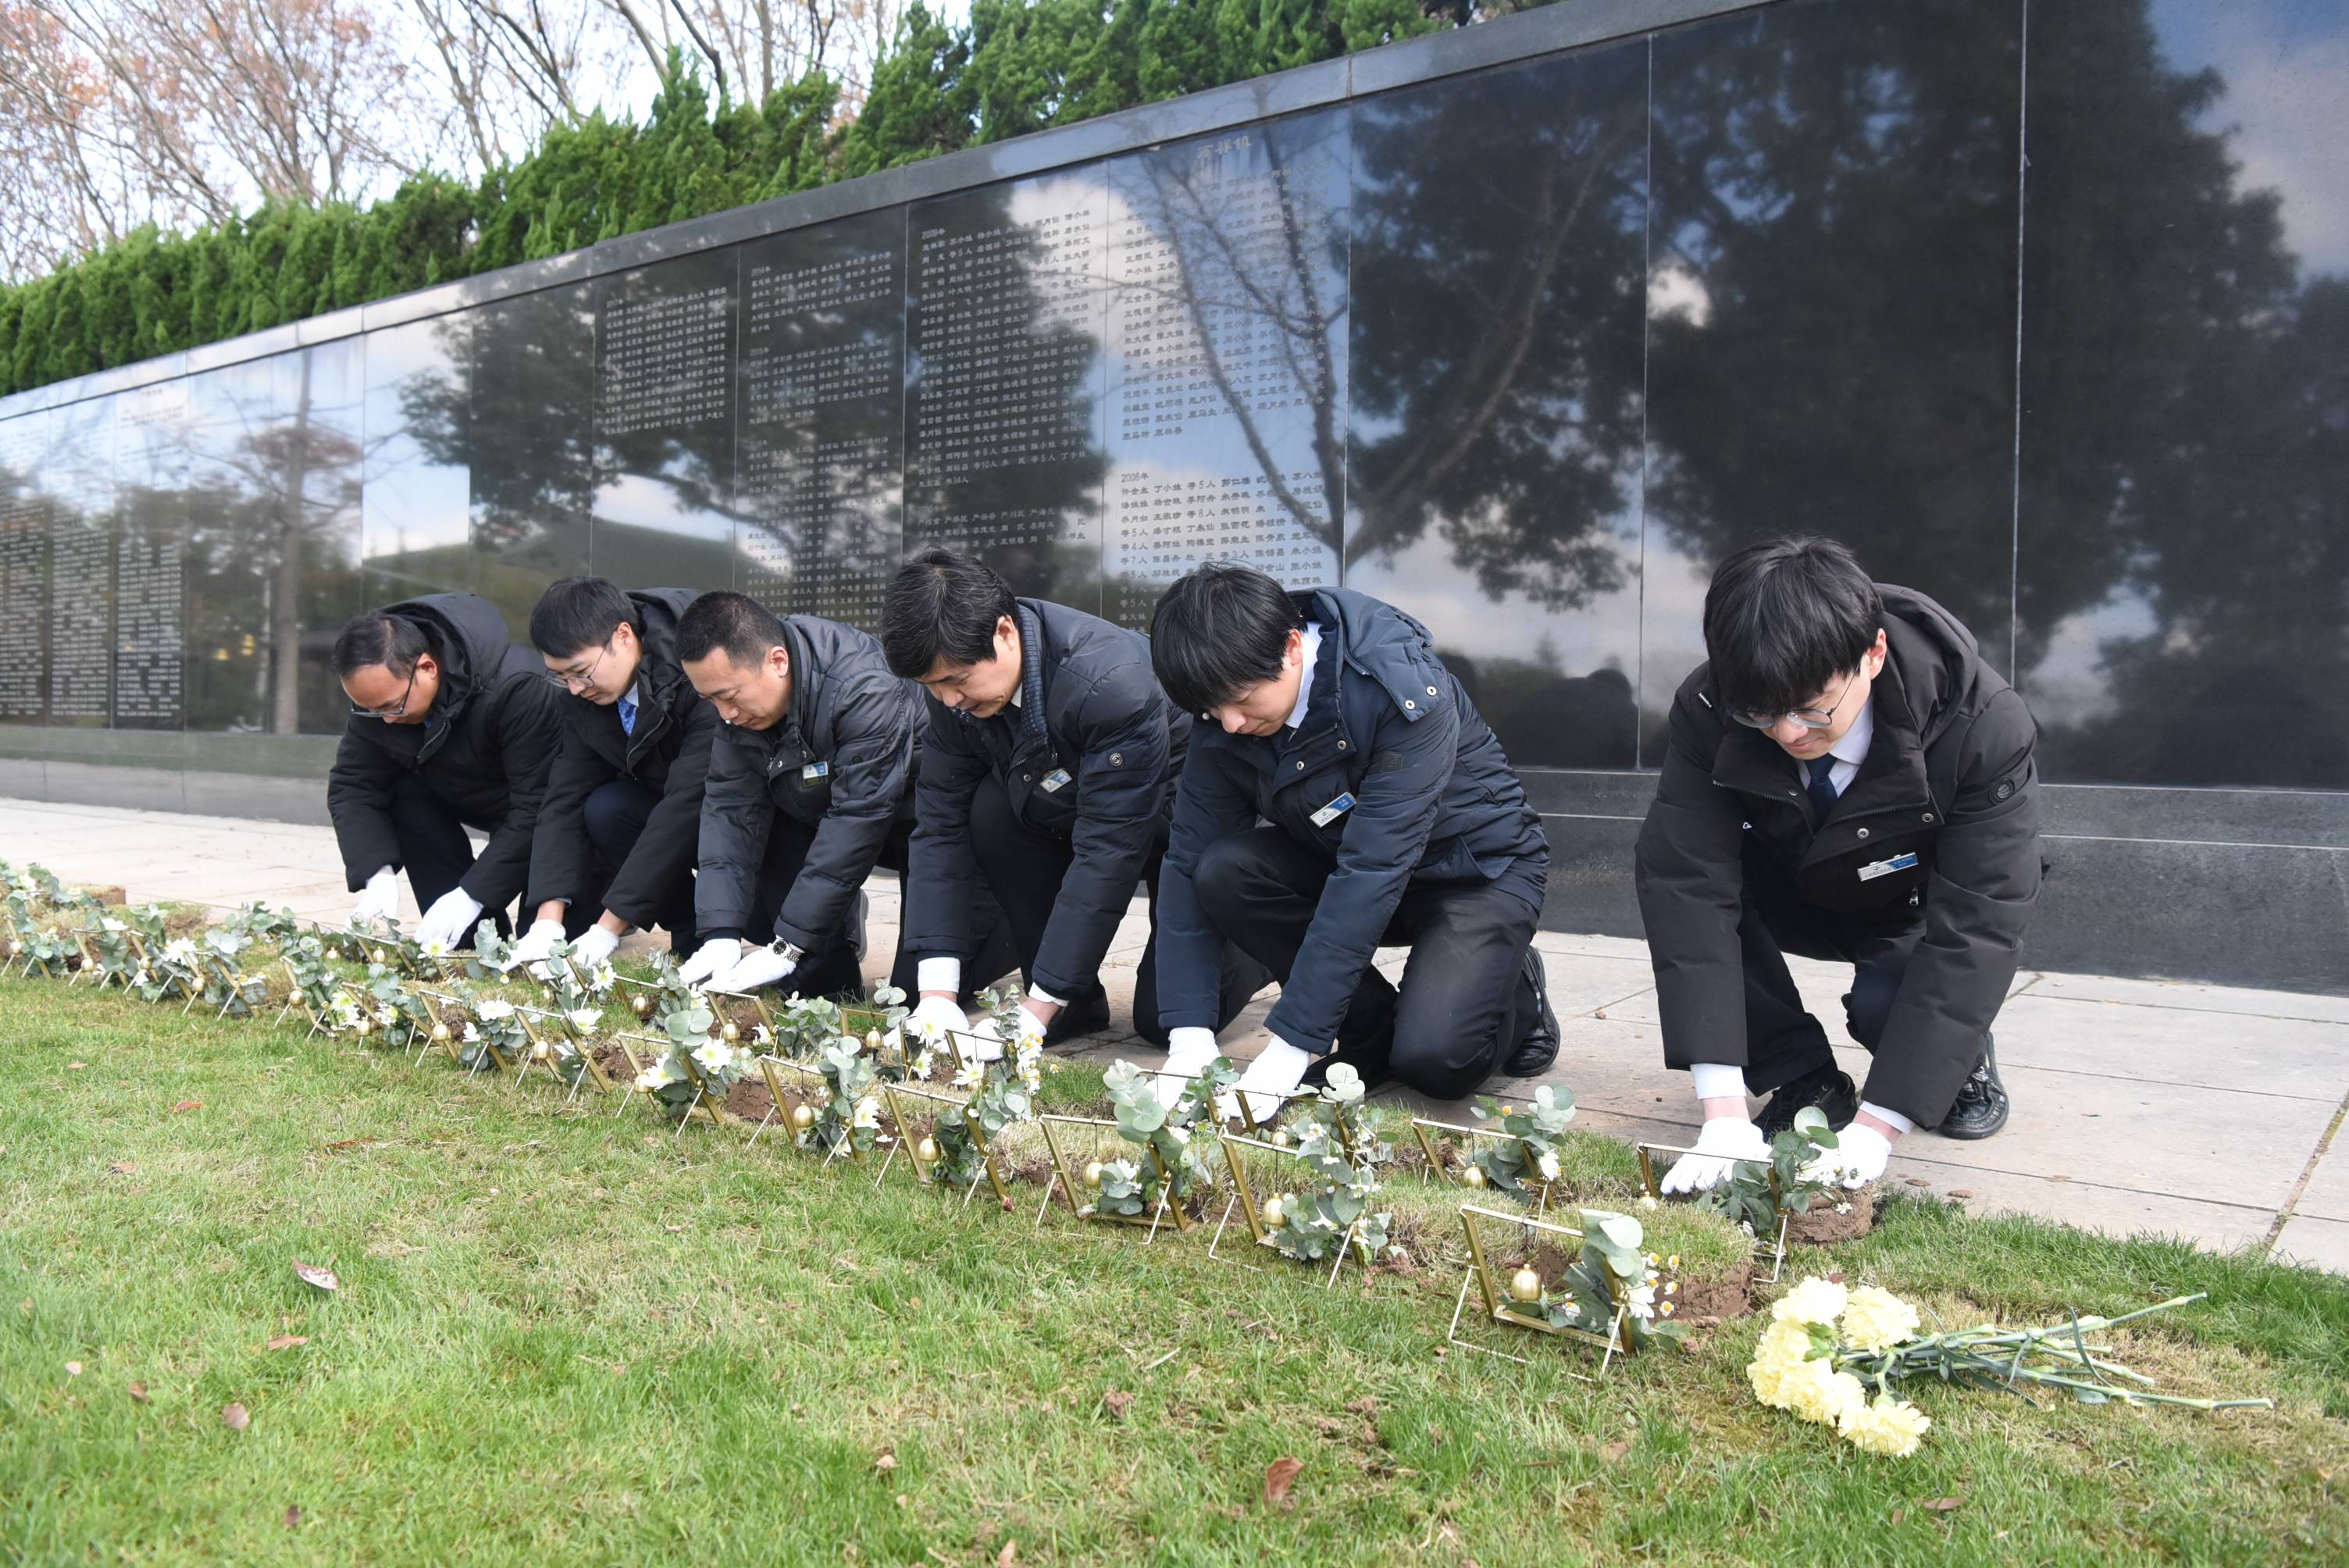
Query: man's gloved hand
point(537, 946)
point(1725, 1140)
point(757, 966)
point(982, 1042)
point(450, 920)
point(1857, 1159)
point(934, 1015)
point(1031, 1028)
point(713, 958)
point(1189, 1051)
point(1272, 1078)
point(595, 945)
point(379, 899)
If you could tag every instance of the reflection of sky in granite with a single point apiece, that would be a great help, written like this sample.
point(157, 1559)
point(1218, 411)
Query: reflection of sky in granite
point(410, 503)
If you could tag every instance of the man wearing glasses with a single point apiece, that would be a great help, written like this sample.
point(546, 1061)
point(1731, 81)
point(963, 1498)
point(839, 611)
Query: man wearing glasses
point(451, 728)
point(1845, 779)
point(623, 812)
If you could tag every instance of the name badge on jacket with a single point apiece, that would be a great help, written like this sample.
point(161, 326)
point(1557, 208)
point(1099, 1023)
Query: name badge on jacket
point(1056, 779)
point(1875, 869)
point(1333, 810)
point(813, 771)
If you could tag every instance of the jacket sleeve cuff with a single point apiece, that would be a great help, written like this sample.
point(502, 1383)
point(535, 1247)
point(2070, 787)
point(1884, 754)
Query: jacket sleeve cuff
point(714, 933)
point(938, 974)
point(1718, 1080)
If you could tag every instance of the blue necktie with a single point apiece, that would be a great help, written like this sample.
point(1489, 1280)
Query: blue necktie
point(1822, 785)
point(628, 719)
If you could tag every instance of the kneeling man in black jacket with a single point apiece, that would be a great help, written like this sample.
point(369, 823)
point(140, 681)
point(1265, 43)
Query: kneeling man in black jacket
point(452, 727)
point(811, 780)
point(1845, 779)
point(1390, 818)
point(1048, 778)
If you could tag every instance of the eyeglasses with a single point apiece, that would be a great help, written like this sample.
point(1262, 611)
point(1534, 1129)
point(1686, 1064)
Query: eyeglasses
point(398, 711)
point(1809, 718)
point(572, 680)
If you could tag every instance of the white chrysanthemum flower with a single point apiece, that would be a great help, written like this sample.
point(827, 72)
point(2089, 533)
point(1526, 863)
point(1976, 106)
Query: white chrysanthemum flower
point(112, 927)
point(1642, 1301)
point(495, 1008)
point(868, 1112)
point(434, 947)
point(714, 1055)
point(386, 1017)
point(584, 1018)
point(761, 1036)
point(602, 978)
point(1816, 1300)
point(473, 1034)
point(180, 951)
point(1548, 1166)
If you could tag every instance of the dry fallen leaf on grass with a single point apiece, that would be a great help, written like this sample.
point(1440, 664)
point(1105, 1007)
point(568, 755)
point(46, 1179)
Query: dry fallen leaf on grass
point(1943, 1504)
point(1279, 1476)
point(286, 1342)
point(235, 1418)
point(1009, 1556)
point(76, 1067)
point(139, 1391)
point(123, 1168)
point(885, 1460)
point(1117, 1399)
point(293, 1519)
point(318, 1274)
point(73, 1368)
point(187, 1105)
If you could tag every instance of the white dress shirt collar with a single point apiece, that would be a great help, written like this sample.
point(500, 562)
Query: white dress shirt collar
point(1304, 676)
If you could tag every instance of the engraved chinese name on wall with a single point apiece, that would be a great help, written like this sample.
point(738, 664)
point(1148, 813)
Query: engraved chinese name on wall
point(24, 571)
point(1222, 300)
point(663, 362)
point(150, 583)
point(817, 463)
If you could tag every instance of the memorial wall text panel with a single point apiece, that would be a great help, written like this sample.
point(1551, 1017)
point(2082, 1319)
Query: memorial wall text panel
point(1831, 305)
point(77, 471)
point(1498, 320)
point(1005, 331)
point(25, 514)
point(1227, 366)
point(153, 459)
point(818, 456)
point(664, 380)
point(2183, 557)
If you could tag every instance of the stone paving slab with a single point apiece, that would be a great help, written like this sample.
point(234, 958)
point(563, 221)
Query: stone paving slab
point(2140, 1105)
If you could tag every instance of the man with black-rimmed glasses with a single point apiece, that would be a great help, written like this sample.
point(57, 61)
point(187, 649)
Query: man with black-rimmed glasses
point(1845, 779)
point(453, 727)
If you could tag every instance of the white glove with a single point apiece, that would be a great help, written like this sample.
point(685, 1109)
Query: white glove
point(1031, 1028)
point(1725, 1140)
point(716, 955)
point(450, 920)
point(1857, 1159)
point(759, 967)
point(536, 945)
point(982, 1042)
point(1272, 1078)
point(379, 899)
point(595, 945)
point(1189, 1051)
point(934, 1015)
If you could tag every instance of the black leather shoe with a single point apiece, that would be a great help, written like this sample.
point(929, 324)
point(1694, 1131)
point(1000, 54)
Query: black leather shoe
point(1982, 1104)
point(1829, 1088)
point(1088, 1015)
point(1538, 1049)
point(1375, 1070)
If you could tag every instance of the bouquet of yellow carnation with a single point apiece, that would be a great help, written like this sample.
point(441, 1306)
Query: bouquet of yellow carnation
point(1827, 1345)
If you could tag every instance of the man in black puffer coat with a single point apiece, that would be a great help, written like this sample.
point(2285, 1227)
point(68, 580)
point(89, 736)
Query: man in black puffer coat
point(452, 727)
point(1392, 818)
point(623, 814)
point(1048, 781)
point(1845, 779)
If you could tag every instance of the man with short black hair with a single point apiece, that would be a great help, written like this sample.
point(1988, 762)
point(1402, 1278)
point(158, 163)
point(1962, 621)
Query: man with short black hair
point(1845, 779)
point(1048, 781)
point(1392, 819)
point(451, 728)
point(623, 812)
point(810, 788)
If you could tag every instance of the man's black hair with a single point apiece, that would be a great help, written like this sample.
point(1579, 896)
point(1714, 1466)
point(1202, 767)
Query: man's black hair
point(1784, 619)
point(576, 614)
point(374, 638)
point(942, 605)
point(1218, 632)
point(745, 628)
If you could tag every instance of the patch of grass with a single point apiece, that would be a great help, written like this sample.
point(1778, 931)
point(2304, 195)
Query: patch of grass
point(566, 1336)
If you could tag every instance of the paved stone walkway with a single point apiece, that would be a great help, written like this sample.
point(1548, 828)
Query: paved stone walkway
point(2139, 1106)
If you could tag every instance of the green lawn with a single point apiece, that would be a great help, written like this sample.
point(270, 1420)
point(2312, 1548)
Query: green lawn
point(567, 1337)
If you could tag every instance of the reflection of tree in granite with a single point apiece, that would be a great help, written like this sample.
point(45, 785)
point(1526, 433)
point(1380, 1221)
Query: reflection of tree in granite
point(1497, 362)
point(2185, 436)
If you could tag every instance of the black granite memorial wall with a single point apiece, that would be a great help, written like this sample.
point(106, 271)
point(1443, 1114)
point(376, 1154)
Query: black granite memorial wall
point(2043, 307)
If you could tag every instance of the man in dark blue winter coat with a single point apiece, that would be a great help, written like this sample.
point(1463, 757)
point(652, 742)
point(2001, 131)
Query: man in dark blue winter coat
point(1047, 780)
point(1342, 794)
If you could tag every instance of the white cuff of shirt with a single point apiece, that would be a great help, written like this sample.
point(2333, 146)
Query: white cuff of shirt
point(1192, 1039)
point(1891, 1119)
point(1038, 994)
point(938, 974)
point(1718, 1080)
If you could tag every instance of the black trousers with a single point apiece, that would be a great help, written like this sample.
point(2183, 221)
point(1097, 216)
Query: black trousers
point(1465, 1002)
point(834, 969)
point(615, 814)
point(1782, 1040)
point(1025, 868)
point(430, 834)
